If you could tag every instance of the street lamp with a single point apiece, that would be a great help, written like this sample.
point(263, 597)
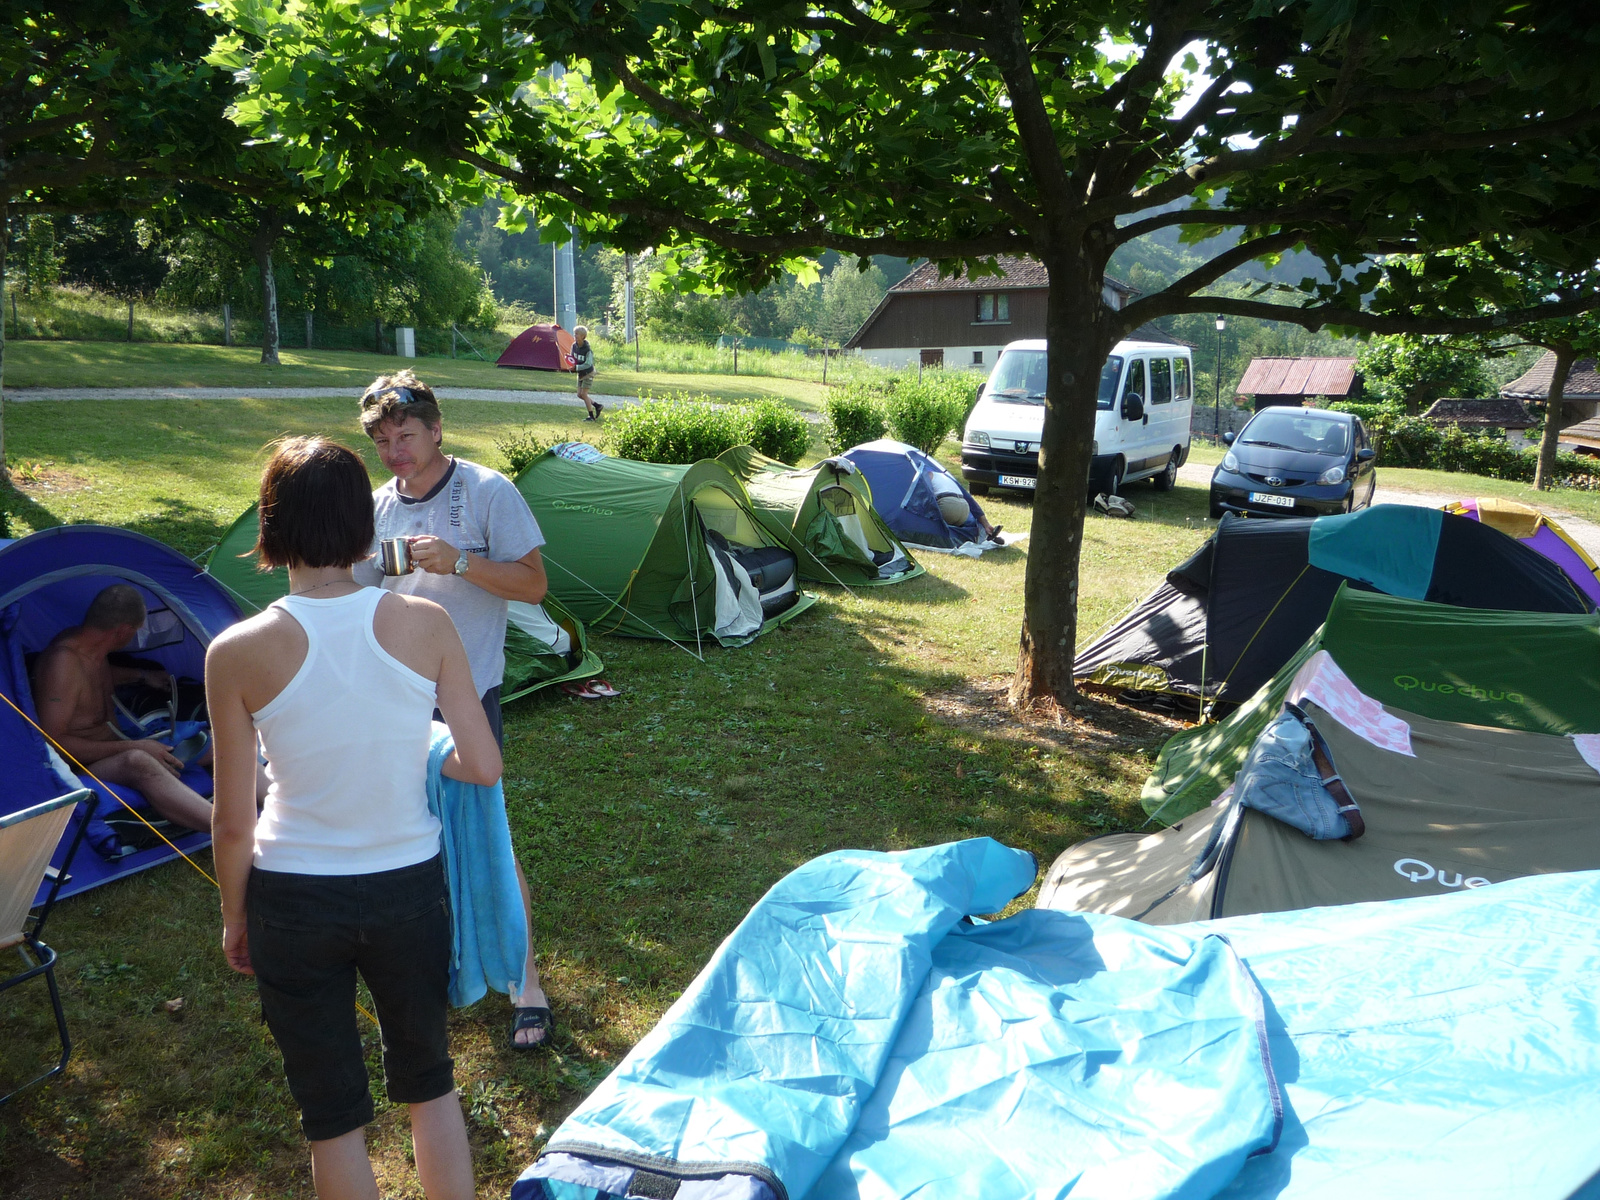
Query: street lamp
point(1216, 403)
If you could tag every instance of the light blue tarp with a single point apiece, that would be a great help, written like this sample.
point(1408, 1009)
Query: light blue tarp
point(855, 1038)
point(1444, 1046)
point(1392, 547)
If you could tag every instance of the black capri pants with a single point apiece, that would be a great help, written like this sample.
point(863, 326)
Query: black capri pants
point(309, 935)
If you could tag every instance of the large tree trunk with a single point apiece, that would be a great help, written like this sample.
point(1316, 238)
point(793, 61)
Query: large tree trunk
point(1554, 419)
point(261, 244)
point(1080, 337)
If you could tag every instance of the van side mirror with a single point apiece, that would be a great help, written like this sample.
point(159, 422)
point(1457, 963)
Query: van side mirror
point(1366, 454)
point(1227, 438)
point(1132, 407)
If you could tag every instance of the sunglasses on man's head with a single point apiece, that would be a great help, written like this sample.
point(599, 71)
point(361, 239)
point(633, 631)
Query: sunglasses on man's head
point(378, 397)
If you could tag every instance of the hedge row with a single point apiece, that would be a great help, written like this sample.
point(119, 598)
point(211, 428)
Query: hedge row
point(1412, 442)
point(921, 412)
point(680, 428)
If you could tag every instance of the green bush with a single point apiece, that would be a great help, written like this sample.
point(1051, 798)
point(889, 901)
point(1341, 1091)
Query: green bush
point(923, 412)
point(680, 428)
point(520, 449)
point(854, 414)
point(775, 429)
point(1403, 441)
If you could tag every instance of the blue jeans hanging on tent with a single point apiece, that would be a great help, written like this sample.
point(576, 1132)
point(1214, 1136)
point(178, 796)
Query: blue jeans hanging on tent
point(1282, 779)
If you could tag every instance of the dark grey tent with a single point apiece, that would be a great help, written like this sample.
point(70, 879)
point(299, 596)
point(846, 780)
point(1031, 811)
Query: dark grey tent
point(1475, 805)
point(1240, 607)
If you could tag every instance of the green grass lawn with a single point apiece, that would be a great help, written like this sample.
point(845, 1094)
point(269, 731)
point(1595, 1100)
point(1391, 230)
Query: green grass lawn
point(647, 825)
point(159, 364)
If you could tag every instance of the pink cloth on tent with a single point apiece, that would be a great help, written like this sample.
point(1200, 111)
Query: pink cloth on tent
point(1322, 680)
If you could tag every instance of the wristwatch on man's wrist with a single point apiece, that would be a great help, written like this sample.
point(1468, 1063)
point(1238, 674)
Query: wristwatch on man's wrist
point(462, 565)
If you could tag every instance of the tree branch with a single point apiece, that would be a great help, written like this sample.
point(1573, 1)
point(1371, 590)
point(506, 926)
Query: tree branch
point(1222, 216)
point(1208, 273)
point(676, 112)
point(1009, 51)
point(1322, 316)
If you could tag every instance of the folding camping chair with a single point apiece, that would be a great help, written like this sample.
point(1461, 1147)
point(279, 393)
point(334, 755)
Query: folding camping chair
point(27, 840)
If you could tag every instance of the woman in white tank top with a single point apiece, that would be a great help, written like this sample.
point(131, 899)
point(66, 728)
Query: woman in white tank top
point(341, 873)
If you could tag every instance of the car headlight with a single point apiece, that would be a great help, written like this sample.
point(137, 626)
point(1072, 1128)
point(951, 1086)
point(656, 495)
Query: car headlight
point(977, 438)
point(1230, 461)
point(1332, 475)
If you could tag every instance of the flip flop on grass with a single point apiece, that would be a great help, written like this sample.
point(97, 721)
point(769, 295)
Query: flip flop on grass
point(581, 689)
point(602, 687)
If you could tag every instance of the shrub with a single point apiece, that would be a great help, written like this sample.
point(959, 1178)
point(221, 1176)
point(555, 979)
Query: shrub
point(922, 412)
point(1412, 442)
point(775, 429)
point(521, 448)
point(854, 415)
point(677, 428)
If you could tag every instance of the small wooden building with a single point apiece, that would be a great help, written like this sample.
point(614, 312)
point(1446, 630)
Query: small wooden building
point(1294, 381)
point(957, 321)
point(1474, 416)
point(1580, 396)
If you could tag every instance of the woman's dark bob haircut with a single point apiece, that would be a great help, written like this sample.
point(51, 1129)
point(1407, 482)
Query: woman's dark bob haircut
point(316, 506)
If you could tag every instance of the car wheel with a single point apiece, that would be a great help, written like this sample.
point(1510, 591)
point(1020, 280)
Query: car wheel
point(978, 489)
point(1168, 478)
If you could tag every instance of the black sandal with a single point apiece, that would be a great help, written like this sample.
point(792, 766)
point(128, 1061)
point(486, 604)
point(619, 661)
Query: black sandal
point(530, 1018)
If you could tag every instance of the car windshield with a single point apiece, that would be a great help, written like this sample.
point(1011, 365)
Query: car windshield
point(1019, 376)
point(1297, 429)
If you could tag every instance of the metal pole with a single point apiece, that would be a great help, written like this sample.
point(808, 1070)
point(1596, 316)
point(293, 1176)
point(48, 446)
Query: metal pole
point(130, 320)
point(1216, 403)
point(824, 362)
point(735, 356)
point(452, 339)
point(227, 324)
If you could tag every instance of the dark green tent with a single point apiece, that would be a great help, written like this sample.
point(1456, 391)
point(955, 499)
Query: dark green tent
point(826, 516)
point(660, 551)
point(1536, 672)
point(545, 644)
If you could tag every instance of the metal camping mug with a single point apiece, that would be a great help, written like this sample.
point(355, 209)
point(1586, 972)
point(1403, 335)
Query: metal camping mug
point(394, 556)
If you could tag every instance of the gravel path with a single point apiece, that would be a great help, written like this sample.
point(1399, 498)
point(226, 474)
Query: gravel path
point(496, 395)
point(1585, 532)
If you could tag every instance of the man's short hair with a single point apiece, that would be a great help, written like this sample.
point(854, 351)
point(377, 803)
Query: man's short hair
point(316, 506)
point(583, 329)
point(118, 605)
point(396, 397)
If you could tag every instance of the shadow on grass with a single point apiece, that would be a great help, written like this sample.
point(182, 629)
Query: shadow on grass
point(189, 529)
point(18, 504)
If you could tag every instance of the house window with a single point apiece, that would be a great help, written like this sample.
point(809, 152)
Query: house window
point(993, 307)
point(977, 358)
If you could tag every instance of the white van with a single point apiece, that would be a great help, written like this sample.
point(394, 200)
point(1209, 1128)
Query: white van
point(1140, 432)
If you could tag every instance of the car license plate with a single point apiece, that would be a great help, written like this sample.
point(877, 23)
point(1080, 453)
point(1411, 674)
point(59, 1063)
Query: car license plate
point(1019, 481)
point(1269, 498)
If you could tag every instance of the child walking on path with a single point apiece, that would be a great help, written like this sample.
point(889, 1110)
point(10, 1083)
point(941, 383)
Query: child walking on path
point(583, 364)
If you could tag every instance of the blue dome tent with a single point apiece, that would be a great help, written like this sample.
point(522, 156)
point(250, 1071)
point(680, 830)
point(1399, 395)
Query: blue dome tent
point(906, 485)
point(46, 583)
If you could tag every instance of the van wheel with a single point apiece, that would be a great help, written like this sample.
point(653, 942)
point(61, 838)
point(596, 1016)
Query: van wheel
point(1168, 479)
point(978, 489)
point(1114, 480)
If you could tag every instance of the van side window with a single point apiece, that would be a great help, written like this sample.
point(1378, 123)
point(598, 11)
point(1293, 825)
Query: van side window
point(1160, 381)
point(1135, 380)
point(1180, 379)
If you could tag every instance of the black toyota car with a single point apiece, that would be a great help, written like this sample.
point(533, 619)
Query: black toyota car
point(1295, 462)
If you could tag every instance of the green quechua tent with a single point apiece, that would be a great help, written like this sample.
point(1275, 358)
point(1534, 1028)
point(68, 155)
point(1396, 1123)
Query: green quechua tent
point(1534, 672)
point(660, 551)
point(545, 643)
point(825, 515)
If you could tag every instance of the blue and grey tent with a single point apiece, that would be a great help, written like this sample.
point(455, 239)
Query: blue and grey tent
point(906, 486)
point(46, 583)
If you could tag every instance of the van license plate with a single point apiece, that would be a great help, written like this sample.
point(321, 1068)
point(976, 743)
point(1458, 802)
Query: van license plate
point(1269, 498)
point(1019, 481)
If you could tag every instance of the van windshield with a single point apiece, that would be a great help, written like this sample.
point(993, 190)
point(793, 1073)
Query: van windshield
point(1019, 377)
point(1288, 428)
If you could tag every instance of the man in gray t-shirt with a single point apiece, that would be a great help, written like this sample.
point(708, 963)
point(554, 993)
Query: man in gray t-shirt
point(475, 546)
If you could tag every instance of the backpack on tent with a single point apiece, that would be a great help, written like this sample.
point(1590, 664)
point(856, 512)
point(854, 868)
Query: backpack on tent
point(824, 514)
point(545, 644)
point(656, 550)
point(1236, 610)
point(46, 583)
point(907, 487)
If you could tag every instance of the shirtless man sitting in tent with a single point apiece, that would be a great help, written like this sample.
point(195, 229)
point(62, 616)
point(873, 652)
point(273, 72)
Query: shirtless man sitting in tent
point(73, 683)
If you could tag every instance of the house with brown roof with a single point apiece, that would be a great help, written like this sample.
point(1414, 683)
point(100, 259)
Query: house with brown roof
point(960, 321)
point(1580, 396)
point(1277, 379)
point(1475, 416)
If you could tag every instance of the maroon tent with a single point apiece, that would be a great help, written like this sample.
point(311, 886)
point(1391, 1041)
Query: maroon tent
point(539, 348)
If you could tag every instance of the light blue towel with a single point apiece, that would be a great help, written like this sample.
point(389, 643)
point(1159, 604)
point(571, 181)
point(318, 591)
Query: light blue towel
point(490, 926)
